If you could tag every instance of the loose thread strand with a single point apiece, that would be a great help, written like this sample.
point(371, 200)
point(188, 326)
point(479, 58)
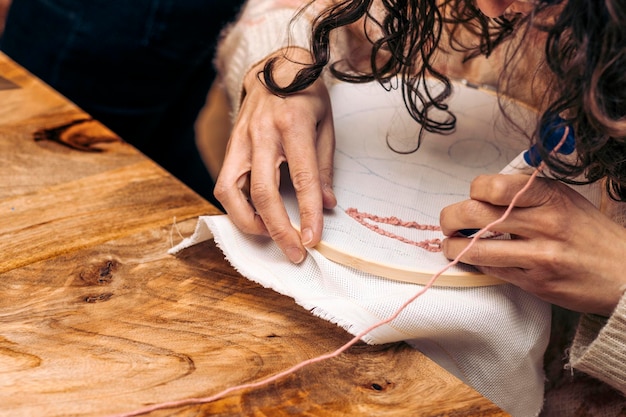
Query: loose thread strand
point(354, 340)
point(174, 227)
point(357, 338)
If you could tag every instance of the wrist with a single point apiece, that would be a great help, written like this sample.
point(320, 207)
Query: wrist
point(289, 62)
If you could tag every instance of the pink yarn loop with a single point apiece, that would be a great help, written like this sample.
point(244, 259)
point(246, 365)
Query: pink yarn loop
point(431, 245)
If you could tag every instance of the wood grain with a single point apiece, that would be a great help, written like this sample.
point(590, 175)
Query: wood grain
point(96, 318)
point(46, 220)
point(50, 191)
point(122, 324)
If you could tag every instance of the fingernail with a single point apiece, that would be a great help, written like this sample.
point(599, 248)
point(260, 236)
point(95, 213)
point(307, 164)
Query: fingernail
point(307, 236)
point(295, 255)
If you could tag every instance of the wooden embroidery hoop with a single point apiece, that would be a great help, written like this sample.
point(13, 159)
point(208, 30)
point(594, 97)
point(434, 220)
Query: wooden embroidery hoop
point(414, 273)
point(404, 274)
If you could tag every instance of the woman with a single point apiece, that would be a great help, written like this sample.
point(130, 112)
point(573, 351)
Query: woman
point(565, 250)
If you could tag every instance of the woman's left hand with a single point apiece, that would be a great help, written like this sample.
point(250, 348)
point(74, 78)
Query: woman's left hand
point(562, 249)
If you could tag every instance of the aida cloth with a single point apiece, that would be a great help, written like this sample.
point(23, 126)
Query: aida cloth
point(492, 337)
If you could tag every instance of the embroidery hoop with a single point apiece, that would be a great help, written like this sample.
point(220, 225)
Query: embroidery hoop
point(366, 116)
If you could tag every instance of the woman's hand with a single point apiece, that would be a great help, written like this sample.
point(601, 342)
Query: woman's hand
point(297, 129)
point(562, 249)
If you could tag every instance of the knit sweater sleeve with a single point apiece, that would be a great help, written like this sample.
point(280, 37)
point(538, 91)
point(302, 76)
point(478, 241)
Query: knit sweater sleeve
point(599, 348)
point(263, 27)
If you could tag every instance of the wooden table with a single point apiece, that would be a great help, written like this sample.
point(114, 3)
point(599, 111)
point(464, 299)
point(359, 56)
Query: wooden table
point(96, 318)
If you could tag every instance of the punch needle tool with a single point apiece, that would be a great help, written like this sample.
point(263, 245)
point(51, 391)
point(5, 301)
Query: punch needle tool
point(551, 134)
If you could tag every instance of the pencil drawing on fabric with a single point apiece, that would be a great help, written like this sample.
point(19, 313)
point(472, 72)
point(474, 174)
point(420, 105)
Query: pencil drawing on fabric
point(412, 186)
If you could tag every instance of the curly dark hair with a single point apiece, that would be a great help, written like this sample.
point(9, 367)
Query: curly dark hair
point(585, 50)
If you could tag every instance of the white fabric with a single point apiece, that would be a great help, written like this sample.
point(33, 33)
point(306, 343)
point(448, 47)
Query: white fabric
point(371, 125)
point(493, 338)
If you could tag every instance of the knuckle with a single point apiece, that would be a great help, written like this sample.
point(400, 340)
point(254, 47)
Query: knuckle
point(308, 214)
point(220, 191)
point(558, 227)
point(562, 230)
point(541, 285)
point(443, 215)
point(448, 216)
point(471, 210)
point(289, 118)
point(247, 227)
point(475, 255)
point(303, 180)
point(549, 255)
point(553, 194)
point(477, 184)
point(260, 130)
point(260, 194)
point(498, 187)
point(280, 234)
point(327, 174)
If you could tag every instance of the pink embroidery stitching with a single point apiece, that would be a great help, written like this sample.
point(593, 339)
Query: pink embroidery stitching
point(431, 245)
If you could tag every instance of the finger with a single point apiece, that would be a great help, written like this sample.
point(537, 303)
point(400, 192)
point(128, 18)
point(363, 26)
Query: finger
point(301, 153)
point(229, 191)
point(491, 196)
point(469, 215)
point(265, 195)
point(326, 157)
point(498, 253)
point(500, 190)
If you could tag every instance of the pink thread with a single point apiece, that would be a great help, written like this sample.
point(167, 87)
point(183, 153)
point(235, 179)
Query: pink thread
point(355, 339)
point(431, 245)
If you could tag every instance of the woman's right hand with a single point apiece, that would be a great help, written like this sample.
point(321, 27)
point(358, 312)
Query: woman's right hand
point(269, 130)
